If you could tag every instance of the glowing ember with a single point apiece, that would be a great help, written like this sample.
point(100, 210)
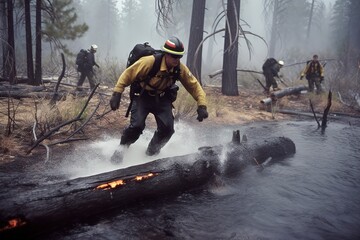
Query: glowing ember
point(13, 223)
point(121, 182)
point(109, 185)
point(142, 177)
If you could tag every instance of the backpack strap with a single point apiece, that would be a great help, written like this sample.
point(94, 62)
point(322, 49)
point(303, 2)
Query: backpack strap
point(155, 68)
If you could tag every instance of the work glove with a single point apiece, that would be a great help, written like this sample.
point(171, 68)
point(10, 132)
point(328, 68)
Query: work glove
point(115, 101)
point(321, 79)
point(301, 78)
point(202, 113)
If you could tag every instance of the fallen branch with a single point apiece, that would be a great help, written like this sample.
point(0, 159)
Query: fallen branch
point(326, 111)
point(218, 72)
point(85, 122)
point(41, 144)
point(56, 96)
point(322, 60)
point(312, 110)
point(282, 93)
point(261, 84)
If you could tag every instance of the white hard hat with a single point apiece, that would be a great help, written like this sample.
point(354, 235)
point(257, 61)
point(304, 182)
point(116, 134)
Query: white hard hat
point(94, 47)
point(281, 63)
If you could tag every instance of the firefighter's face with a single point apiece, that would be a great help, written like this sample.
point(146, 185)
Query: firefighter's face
point(172, 60)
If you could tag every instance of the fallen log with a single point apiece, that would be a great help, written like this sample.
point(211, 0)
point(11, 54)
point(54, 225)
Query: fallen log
point(24, 94)
point(27, 209)
point(281, 93)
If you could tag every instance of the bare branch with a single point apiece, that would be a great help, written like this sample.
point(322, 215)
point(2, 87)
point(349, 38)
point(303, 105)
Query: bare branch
point(326, 111)
point(55, 129)
point(312, 109)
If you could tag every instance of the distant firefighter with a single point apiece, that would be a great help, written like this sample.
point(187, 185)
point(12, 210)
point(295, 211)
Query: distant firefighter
point(314, 73)
point(271, 69)
point(85, 61)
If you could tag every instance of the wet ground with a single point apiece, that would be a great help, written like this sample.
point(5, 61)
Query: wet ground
point(311, 195)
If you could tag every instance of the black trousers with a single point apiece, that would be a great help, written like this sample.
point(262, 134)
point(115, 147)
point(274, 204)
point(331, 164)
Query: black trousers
point(269, 78)
point(315, 81)
point(90, 76)
point(161, 108)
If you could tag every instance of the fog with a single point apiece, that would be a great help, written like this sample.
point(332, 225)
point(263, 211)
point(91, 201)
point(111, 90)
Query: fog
point(116, 29)
point(115, 41)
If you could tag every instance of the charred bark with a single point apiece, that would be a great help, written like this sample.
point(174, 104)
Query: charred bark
point(28, 209)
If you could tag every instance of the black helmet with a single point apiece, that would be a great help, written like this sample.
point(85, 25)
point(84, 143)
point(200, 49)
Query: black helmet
point(174, 46)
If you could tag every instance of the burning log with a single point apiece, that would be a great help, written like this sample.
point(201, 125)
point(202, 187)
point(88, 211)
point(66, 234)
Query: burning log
point(281, 93)
point(28, 211)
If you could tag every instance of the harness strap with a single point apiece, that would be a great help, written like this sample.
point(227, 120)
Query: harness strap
point(155, 68)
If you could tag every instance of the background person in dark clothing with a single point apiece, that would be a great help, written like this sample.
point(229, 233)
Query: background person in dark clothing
point(271, 69)
point(314, 73)
point(156, 96)
point(85, 67)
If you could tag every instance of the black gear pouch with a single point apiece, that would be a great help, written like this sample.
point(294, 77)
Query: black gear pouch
point(171, 92)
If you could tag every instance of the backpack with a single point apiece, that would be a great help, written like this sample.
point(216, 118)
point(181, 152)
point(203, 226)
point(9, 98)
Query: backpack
point(81, 59)
point(141, 50)
point(269, 63)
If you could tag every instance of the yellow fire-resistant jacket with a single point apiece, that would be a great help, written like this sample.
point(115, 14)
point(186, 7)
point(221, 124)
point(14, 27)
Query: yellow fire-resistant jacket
point(313, 68)
point(140, 69)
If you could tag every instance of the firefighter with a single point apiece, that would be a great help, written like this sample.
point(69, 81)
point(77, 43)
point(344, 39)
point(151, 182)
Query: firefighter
point(154, 98)
point(271, 69)
point(85, 63)
point(314, 73)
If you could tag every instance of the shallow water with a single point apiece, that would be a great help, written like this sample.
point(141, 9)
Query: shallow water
point(314, 194)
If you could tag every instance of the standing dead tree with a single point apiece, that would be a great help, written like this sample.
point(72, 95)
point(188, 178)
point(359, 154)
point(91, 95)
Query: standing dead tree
point(323, 124)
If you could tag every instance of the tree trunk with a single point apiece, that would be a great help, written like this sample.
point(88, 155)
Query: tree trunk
point(3, 33)
point(274, 29)
point(38, 70)
point(353, 51)
point(29, 54)
point(230, 59)
point(10, 69)
point(36, 207)
point(310, 20)
point(194, 59)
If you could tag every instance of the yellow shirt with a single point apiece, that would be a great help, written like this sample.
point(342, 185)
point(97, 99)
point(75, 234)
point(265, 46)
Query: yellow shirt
point(162, 80)
point(313, 67)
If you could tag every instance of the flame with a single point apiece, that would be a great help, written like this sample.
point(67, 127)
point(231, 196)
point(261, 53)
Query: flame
point(13, 223)
point(121, 182)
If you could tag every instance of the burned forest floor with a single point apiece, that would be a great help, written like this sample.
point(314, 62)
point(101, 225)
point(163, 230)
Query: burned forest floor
point(223, 110)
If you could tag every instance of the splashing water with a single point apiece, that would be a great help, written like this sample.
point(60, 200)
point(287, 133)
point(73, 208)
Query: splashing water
point(94, 158)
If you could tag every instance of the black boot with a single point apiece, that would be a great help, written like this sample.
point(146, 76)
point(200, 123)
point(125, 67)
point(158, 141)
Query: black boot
point(157, 142)
point(151, 151)
point(118, 156)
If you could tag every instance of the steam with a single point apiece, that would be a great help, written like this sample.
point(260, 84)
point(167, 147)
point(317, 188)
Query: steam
point(94, 158)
